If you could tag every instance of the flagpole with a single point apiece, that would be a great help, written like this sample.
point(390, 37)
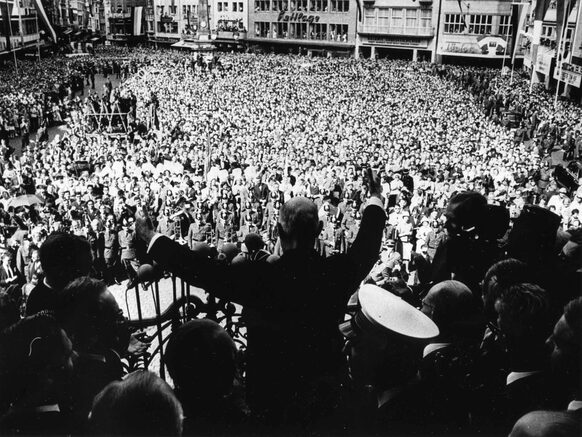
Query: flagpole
point(20, 23)
point(38, 33)
point(517, 37)
point(10, 29)
point(507, 38)
point(560, 61)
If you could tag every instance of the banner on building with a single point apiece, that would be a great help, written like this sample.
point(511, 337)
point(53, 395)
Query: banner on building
point(563, 10)
point(569, 77)
point(518, 18)
point(577, 40)
point(544, 62)
point(137, 20)
point(5, 23)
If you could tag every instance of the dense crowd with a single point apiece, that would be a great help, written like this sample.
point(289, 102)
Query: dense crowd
point(229, 173)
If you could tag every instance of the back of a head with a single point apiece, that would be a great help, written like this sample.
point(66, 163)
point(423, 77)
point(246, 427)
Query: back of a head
point(466, 210)
point(452, 302)
point(200, 357)
point(65, 257)
point(548, 424)
point(299, 221)
point(142, 404)
point(524, 314)
point(28, 349)
point(500, 276)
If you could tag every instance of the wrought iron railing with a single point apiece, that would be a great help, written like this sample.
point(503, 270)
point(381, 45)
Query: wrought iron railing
point(184, 306)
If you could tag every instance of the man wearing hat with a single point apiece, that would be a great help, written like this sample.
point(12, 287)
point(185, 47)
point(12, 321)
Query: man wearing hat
point(294, 354)
point(384, 341)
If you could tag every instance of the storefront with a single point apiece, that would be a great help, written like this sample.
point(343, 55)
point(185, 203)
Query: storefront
point(310, 24)
point(481, 30)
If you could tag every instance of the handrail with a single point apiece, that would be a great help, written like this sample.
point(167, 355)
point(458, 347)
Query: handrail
point(184, 307)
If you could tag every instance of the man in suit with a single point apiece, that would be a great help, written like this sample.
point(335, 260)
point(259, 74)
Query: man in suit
point(447, 360)
point(566, 357)
point(294, 353)
point(523, 316)
point(127, 239)
point(110, 251)
point(8, 274)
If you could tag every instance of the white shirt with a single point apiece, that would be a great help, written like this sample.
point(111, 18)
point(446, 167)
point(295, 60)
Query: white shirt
point(516, 376)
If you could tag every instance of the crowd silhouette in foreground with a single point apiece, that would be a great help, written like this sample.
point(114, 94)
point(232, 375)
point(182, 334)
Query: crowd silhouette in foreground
point(408, 261)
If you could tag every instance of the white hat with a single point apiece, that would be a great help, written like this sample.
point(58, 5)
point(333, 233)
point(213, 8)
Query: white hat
point(384, 312)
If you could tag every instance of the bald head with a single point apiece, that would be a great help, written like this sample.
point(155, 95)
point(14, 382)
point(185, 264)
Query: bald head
point(547, 424)
point(448, 302)
point(299, 223)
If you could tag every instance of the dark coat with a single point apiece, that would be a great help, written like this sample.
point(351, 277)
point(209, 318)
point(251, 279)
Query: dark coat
point(300, 299)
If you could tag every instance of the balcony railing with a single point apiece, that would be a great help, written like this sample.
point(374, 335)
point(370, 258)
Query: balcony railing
point(16, 40)
point(185, 303)
point(387, 30)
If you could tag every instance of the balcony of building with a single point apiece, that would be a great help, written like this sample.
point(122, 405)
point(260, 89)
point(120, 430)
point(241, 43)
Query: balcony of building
point(423, 32)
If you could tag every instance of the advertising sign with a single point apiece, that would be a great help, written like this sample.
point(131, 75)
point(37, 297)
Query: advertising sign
point(570, 77)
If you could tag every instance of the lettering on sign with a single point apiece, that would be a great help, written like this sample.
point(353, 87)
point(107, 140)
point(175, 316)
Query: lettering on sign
point(568, 77)
point(398, 41)
point(297, 16)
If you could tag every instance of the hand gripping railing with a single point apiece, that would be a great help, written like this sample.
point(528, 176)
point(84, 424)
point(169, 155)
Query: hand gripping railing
point(184, 306)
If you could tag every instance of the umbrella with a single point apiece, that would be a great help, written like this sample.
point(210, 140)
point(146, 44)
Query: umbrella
point(24, 200)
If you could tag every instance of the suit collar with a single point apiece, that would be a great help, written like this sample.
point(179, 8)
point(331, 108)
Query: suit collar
point(516, 376)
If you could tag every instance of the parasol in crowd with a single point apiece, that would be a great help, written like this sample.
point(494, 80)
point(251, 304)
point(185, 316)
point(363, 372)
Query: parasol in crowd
point(24, 200)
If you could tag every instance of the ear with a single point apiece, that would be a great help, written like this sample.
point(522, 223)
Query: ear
point(34, 348)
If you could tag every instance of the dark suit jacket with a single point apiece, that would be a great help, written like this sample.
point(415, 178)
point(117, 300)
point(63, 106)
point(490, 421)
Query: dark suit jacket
point(41, 298)
point(4, 277)
point(301, 298)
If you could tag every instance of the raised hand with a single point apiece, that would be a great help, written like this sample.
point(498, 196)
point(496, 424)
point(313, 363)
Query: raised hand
point(144, 226)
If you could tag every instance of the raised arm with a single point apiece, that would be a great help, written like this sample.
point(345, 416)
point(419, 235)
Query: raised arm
point(364, 252)
point(239, 283)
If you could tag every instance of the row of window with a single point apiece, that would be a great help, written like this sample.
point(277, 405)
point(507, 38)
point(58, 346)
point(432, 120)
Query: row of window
point(302, 5)
point(310, 31)
point(167, 27)
point(398, 17)
point(236, 7)
point(477, 24)
point(28, 25)
point(549, 31)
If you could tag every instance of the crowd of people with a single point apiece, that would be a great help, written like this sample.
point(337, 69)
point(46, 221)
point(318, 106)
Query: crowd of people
point(282, 184)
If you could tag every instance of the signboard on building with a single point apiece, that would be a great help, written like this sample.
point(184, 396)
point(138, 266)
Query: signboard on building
point(486, 45)
point(397, 41)
point(544, 62)
point(297, 16)
point(569, 75)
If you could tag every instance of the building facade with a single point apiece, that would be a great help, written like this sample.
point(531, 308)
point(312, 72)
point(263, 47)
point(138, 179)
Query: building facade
point(23, 32)
point(125, 20)
point(229, 15)
point(545, 63)
point(391, 26)
point(173, 20)
point(474, 29)
point(328, 25)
